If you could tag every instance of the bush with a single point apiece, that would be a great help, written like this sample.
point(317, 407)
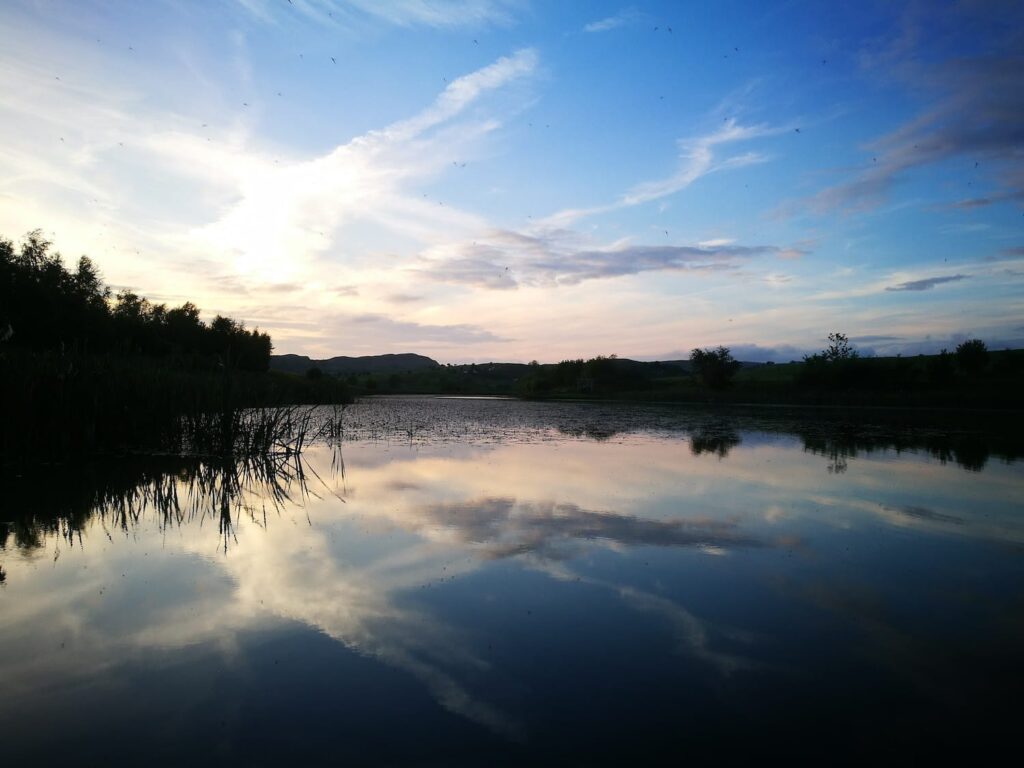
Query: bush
point(716, 367)
point(972, 356)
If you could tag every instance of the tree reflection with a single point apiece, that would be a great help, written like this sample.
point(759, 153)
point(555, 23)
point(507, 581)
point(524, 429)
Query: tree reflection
point(968, 450)
point(717, 439)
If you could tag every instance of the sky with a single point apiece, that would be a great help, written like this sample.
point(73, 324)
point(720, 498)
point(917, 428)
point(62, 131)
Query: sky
point(511, 180)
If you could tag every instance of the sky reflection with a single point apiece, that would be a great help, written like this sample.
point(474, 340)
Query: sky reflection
point(430, 558)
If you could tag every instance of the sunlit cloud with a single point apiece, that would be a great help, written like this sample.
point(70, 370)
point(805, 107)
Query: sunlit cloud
point(297, 209)
point(212, 163)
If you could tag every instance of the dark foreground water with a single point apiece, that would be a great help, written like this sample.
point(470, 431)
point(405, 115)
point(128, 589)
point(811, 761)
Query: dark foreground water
point(487, 582)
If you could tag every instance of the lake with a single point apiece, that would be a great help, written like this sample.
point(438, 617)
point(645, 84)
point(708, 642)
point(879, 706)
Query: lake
point(480, 582)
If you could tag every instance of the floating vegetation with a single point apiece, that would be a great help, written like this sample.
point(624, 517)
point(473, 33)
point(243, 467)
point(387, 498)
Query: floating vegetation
point(968, 441)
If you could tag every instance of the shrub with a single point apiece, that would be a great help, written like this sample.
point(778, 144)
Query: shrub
point(716, 367)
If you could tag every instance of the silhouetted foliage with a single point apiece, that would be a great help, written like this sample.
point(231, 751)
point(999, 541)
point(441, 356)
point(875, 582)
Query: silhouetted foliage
point(597, 376)
point(940, 368)
point(835, 367)
point(972, 356)
point(1009, 363)
point(716, 367)
point(48, 307)
point(839, 348)
point(82, 372)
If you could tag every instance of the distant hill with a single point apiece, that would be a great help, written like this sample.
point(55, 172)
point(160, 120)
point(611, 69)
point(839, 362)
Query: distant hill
point(921, 381)
point(343, 366)
point(412, 363)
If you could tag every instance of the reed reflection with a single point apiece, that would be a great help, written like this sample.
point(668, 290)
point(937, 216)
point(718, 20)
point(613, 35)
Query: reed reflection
point(170, 490)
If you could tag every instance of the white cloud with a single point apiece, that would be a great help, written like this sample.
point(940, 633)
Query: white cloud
point(619, 19)
point(287, 214)
point(151, 194)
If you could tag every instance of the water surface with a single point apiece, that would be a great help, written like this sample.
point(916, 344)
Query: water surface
point(485, 581)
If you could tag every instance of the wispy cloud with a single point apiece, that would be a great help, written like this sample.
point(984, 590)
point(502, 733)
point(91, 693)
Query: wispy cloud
point(971, 203)
point(404, 298)
point(874, 339)
point(274, 222)
point(298, 207)
point(401, 13)
point(503, 259)
point(697, 158)
point(370, 333)
point(927, 283)
point(623, 17)
point(974, 117)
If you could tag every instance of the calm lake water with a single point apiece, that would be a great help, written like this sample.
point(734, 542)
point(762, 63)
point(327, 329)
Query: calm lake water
point(479, 582)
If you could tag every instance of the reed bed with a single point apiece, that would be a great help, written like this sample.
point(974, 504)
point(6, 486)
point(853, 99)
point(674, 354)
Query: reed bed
point(56, 407)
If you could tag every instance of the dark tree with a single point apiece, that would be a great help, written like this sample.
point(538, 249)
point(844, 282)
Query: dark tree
point(45, 306)
point(716, 367)
point(839, 348)
point(972, 356)
point(836, 367)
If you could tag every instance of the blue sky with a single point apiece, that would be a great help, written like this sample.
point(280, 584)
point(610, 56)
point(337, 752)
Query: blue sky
point(479, 179)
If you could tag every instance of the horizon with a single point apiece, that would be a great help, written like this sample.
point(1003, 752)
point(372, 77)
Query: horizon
point(487, 181)
point(869, 354)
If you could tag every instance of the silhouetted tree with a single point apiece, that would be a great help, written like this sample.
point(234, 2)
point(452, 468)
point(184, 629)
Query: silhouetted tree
point(839, 348)
point(716, 367)
point(48, 307)
point(835, 367)
point(972, 356)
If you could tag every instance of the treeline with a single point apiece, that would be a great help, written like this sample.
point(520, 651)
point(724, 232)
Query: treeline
point(970, 376)
point(598, 375)
point(839, 367)
point(46, 306)
point(85, 372)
